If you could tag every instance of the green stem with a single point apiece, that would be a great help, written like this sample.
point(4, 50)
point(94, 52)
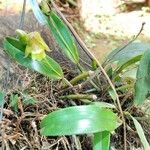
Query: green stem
point(67, 82)
point(124, 87)
point(80, 96)
point(81, 77)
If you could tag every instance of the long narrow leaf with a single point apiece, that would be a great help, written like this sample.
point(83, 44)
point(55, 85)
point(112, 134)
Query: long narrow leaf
point(141, 134)
point(37, 12)
point(101, 140)
point(2, 95)
point(128, 63)
point(59, 30)
point(47, 66)
point(63, 37)
point(130, 51)
point(142, 86)
point(79, 120)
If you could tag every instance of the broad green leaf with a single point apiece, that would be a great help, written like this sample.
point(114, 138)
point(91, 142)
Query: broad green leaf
point(63, 37)
point(142, 85)
point(79, 120)
point(47, 66)
point(141, 134)
point(130, 51)
point(101, 140)
point(37, 12)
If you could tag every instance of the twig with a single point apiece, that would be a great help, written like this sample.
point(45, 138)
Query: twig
point(92, 57)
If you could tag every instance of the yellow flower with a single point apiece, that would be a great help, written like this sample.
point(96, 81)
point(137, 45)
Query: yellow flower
point(35, 45)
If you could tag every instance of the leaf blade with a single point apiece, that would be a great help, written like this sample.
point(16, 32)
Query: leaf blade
point(141, 134)
point(101, 140)
point(142, 85)
point(47, 66)
point(63, 37)
point(79, 120)
point(130, 51)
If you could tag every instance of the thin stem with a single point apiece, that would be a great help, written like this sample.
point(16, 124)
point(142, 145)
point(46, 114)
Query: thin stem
point(22, 15)
point(80, 77)
point(80, 96)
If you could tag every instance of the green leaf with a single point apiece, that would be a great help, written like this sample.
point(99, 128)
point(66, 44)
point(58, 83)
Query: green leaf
point(142, 85)
point(47, 66)
point(130, 51)
point(141, 134)
point(63, 37)
point(14, 102)
point(2, 101)
point(129, 74)
point(28, 100)
point(101, 140)
point(79, 120)
point(112, 95)
point(37, 12)
point(59, 30)
point(2, 95)
point(127, 64)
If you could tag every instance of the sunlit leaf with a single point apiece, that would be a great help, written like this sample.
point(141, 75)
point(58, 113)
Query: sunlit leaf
point(79, 120)
point(142, 86)
point(101, 140)
point(47, 66)
point(141, 134)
